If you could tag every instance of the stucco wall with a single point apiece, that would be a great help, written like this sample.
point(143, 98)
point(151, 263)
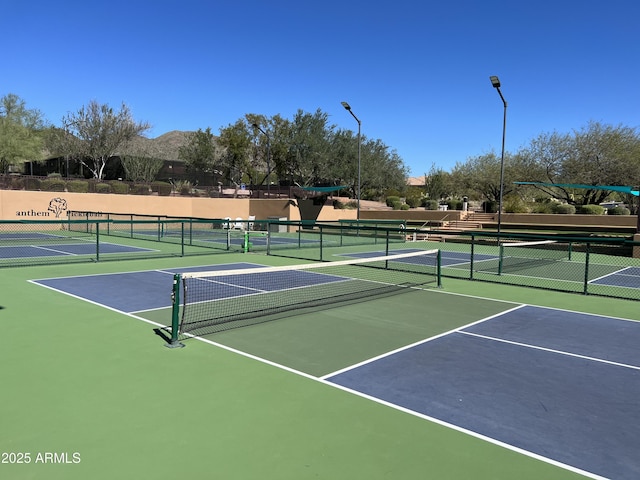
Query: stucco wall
point(28, 205)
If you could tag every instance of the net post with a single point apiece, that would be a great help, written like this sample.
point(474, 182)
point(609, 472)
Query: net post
point(439, 268)
point(245, 242)
point(500, 258)
point(97, 241)
point(182, 237)
point(473, 242)
point(174, 342)
point(585, 290)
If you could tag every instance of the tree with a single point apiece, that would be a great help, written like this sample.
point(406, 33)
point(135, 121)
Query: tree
point(141, 161)
point(309, 146)
point(21, 132)
point(96, 132)
point(437, 183)
point(597, 155)
point(201, 153)
point(235, 141)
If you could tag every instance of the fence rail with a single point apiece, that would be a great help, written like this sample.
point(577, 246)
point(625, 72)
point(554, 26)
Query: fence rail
point(589, 265)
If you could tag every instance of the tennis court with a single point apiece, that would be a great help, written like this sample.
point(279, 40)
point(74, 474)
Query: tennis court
point(538, 390)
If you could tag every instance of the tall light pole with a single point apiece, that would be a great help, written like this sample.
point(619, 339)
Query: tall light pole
point(255, 125)
point(496, 84)
point(348, 108)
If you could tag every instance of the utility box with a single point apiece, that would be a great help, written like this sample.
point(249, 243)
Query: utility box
point(274, 227)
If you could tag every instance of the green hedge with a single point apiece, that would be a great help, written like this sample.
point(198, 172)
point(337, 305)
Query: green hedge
point(102, 188)
point(52, 185)
point(564, 209)
point(163, 189)
point(590, 210)
point(618, 211)
point(31, 183)
point(429, 204)
point(78, 186)
point(120, 188)
point(140, 189)
point(392, 200)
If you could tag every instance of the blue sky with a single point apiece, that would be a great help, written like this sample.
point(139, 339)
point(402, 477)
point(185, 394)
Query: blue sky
point(416, 73)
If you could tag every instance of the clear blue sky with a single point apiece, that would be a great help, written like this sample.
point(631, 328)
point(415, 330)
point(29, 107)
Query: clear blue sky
point(415, 72)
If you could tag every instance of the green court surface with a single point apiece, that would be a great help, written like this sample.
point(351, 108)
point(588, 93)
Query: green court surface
point(96, 392)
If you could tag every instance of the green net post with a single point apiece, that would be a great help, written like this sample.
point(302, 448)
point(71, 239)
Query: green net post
point(97, 241)
point(246, 241)
point(174, 342)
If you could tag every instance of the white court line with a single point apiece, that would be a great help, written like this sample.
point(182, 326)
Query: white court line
point(368, 397)
point(550, 350)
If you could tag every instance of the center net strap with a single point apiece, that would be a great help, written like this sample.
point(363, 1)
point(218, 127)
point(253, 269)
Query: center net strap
point(221, 300)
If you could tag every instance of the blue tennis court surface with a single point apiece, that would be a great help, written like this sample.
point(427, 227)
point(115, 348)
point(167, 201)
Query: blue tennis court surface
point(627, 277)
point(557, 384)
point(64, 249)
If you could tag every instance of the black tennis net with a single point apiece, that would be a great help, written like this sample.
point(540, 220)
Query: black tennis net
point(518, 255)
point(209, 302)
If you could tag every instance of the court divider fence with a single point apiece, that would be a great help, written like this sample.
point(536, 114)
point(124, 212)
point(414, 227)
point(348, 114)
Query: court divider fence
point(592, 265)
point(587, 264)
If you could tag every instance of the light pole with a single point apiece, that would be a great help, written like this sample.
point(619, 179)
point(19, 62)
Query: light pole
point(255, 125)
point(496, 84)
point(348, 108)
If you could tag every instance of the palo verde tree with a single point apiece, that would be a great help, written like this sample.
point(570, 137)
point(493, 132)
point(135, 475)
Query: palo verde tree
point(96, 133)
point(21, 132)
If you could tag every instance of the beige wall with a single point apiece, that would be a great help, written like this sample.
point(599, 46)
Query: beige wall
point(27, 205)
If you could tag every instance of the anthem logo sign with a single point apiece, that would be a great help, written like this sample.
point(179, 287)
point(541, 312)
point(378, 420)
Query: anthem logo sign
point(57, 206)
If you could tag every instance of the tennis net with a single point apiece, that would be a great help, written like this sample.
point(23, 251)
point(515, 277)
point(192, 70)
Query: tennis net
point(518, 255)
point(209, 302)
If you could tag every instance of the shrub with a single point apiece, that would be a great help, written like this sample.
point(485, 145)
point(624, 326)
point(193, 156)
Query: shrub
point(413, 202)
point(52, 185)
point(351, 205)
point(19, 183)
point(397, 205)
point(429, 204)
point(542, 207)
point(564, 209)
point(120, 188)
point(102, 187)
point(618, 211)
point(515, 205)
point(184, 187)
point(163, 189)
point(454, 205)
point(32, 183)
point(140, 189)
point(78, 186)
point(404, 206)
point(391, 200)
point(590, 210)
